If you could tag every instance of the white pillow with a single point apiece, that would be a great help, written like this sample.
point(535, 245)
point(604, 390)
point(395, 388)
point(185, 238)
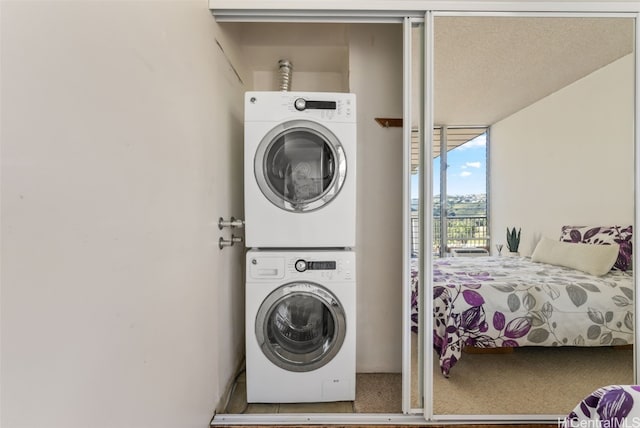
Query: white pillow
point(590, 258)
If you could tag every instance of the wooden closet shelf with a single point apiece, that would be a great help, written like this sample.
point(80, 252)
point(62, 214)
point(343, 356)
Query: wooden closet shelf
point(389, 122)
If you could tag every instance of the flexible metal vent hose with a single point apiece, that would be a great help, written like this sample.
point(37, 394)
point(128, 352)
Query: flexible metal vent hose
point(285, 74)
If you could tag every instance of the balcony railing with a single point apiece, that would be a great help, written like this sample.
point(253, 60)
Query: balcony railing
point(462, 231)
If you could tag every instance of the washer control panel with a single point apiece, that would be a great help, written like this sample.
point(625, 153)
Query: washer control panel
point(292, 265)
point(322, 268)
point(303, 265)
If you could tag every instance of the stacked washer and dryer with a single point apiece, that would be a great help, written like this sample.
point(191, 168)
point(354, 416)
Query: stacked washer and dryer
point(300, 227)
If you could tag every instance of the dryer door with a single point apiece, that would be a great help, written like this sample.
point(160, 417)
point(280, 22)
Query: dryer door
point(300, 166)
point(300, 326)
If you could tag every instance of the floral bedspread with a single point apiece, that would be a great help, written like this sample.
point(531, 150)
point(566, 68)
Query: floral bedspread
point(607, 407)
point(491, 302)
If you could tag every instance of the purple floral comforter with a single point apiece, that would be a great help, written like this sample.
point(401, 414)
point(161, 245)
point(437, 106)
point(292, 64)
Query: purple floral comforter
point(491, 302)
point(611, 406)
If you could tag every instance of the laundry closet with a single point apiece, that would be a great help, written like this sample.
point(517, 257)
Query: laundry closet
point(366, 60)
point(343, 69)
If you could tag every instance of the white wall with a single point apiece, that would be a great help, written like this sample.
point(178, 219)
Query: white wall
point(318, 53)
point(306, 81)
point(567, 159)
point(121, 130)
point(375, 70)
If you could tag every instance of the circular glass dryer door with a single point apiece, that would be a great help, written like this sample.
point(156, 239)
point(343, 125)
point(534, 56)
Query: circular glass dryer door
point(300, 166)
point(300, 326)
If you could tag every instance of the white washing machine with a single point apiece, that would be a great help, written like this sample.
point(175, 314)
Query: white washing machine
point(300, 326)
point(300, 169)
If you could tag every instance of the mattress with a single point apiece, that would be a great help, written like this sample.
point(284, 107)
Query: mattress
point(490, 302)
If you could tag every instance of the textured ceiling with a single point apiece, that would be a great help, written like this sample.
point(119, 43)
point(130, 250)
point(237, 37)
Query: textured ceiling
point(487, 68)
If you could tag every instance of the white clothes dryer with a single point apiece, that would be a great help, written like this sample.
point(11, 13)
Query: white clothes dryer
point(300, 169)
point(300, 326)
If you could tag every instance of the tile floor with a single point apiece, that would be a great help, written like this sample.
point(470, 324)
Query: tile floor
point(375, 393)
point(238, 404)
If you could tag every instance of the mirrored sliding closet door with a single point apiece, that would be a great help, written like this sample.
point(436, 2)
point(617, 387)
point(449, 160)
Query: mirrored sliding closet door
point(416, 213)
point(534, 118)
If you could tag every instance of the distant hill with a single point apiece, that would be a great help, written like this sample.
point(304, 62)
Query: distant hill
point(459, 205)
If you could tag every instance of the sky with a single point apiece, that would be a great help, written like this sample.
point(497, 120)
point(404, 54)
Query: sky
point(466, 173)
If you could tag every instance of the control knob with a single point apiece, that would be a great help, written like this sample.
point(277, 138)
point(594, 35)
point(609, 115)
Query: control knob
point(301, 265)
point(300, 104)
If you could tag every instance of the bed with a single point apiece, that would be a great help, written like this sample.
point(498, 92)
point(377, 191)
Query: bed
point(491, 302)
point(611, 406)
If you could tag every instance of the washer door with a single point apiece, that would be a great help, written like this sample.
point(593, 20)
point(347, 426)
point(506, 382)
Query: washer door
point(300, 326)
point(300, 166)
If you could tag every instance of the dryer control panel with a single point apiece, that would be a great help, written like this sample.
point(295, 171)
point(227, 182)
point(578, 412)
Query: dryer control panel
point(301, 104)
point(282, 106)
point(340, 108)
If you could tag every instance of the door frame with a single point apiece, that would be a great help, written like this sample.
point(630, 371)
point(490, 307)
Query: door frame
point(400, 12)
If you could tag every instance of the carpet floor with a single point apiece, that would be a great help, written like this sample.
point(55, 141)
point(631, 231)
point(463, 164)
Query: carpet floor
point(378, 393)
point(529, 380)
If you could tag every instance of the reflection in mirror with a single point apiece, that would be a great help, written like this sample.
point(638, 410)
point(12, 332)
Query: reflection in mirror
point(527, 333)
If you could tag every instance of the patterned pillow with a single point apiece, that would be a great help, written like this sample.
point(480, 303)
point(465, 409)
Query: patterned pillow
point(603, 235)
